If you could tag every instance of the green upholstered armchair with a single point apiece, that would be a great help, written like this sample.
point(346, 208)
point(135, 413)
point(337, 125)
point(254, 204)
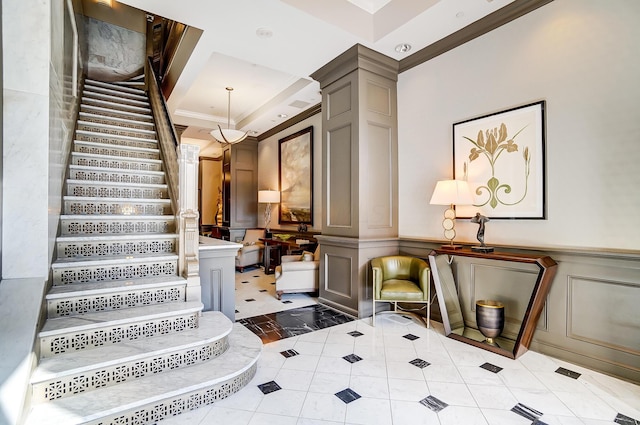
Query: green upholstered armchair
point(399, 278)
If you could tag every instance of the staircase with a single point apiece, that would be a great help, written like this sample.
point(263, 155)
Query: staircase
point(120, 344)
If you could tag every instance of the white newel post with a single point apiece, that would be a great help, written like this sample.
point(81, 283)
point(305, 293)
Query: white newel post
point(188, 219)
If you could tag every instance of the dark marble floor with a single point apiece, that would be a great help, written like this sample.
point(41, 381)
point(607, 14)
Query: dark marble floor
point(284, 324)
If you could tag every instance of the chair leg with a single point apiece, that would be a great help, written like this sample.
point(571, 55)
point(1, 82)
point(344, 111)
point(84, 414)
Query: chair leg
point(373, 316)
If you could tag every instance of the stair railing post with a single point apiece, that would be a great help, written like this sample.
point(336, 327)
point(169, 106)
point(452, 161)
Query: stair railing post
point(188, 215)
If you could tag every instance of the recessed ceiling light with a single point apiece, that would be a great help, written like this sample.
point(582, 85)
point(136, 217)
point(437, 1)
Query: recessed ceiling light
point(282, 115)
point(403, 48)
point(264, 33)
point(459, 14)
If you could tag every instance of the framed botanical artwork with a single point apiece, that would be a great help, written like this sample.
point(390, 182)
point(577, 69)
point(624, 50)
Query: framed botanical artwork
point(296, 178)
point(502, 156)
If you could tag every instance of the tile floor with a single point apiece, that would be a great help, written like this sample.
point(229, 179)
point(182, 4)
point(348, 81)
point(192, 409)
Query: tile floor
point(402, 373)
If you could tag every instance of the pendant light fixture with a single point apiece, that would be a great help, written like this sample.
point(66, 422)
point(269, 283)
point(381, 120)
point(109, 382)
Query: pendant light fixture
point(228, 136)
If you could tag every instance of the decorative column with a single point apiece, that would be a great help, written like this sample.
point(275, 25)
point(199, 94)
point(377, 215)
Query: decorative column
point(188, 219)
point(360, 174)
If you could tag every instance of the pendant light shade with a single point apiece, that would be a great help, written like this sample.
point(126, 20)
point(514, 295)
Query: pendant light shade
point(228, 136)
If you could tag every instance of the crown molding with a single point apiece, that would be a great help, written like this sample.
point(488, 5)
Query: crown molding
point(480, 27)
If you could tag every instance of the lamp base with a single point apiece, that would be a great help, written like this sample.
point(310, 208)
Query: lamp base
point(450, 246)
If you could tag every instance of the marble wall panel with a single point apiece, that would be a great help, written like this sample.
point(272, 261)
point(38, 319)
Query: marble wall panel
point(114, 53)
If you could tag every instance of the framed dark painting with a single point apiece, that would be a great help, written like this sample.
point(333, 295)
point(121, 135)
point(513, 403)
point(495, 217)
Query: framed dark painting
point(296, 178)
point(502, 156)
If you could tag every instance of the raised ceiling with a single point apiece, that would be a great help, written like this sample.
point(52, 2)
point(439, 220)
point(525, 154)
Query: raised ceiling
point(266, 50)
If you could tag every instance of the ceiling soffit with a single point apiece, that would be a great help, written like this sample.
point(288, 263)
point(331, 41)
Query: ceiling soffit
point(354, 16)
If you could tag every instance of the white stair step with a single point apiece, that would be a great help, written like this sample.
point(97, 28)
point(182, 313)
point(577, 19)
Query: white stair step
point(78, 205)
point(79, 172)
point(115, 105)
point(86, 370)
point(118, 99)
point(111, 126)
point(81, 270)
point(107, 287)
point(115, 91)
point(122, 122)
point(82, 146)
point(114, 245)
point(84, 135)
point(107, 161)
point(105, 296)
point(115, 130)
point(116, 224)
point(91, 330)
point(107, 112)
point(155, 397)
point(113, 86)
point(98, 189)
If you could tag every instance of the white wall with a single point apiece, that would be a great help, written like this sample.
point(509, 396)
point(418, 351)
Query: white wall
point(268, 171)
point(582, 57)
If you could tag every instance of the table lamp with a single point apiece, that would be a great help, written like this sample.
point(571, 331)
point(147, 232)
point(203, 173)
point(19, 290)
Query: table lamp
point(268, 197)
point(451, 192)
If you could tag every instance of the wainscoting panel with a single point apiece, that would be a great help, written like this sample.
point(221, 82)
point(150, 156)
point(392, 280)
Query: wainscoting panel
point(600, 312)
point(339, 180)
point(339, 100)
point(380, 177)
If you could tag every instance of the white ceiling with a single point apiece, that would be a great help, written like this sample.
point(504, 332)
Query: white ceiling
point(270, 75)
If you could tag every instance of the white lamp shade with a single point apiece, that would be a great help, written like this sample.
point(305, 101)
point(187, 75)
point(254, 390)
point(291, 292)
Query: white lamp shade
point(451, 192)
point(230, 135)
point(268, 196)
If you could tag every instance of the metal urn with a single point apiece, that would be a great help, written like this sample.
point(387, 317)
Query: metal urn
point(490, 319)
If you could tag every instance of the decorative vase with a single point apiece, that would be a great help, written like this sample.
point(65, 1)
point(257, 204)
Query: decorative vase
point(490, 319)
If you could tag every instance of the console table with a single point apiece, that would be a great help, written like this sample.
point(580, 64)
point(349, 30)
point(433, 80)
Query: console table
point(546, 271)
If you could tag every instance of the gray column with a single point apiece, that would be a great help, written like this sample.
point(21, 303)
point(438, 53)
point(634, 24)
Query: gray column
point(360, 169)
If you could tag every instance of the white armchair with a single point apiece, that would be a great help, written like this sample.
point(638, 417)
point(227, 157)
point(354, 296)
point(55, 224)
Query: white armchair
point(298, 273)
point(251, 252)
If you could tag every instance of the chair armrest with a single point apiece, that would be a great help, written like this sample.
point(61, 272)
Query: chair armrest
point(289, 258)
point(376, 267)
point(250, 248)
point(424, 279)
point(299, 265)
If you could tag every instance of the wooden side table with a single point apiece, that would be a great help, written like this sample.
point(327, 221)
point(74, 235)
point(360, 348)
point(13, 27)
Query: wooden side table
point(271, 256)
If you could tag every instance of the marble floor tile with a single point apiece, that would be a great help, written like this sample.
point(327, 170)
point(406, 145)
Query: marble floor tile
point(407, 389)
point(405, 412)
point(366, 411)
point(324, 406)
point(390, 388)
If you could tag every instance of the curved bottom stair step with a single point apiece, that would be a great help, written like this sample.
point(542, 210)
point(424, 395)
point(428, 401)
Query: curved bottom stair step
point(87, 370)
point(152, 398)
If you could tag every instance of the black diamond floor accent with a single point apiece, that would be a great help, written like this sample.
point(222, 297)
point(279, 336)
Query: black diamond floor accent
point(352, 358)
point(250, 299)
point(287, 302)
point(296, 321)
point(289, 353)
point(491, 367)
point(256, 276)
point(410, 337)
point(526, 412)
point(269, 387)
point(433, 403)
point(420, 363)
point(262, 290)
point(567, 372)
point(626, 420)
point(245, 281)
point(347, 395)
point(273, 283)
point(355, 334)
